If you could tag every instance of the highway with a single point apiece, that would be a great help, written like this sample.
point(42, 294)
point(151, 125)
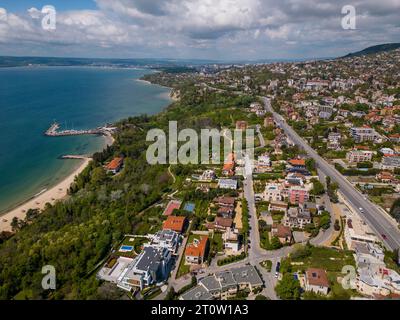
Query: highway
point(381, 223)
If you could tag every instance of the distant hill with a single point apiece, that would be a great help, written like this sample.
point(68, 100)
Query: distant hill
point(374, 49)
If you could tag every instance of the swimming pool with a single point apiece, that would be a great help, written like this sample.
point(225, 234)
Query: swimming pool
point(126, 248)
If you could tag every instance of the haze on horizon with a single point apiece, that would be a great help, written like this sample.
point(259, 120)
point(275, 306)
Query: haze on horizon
point(196, 29)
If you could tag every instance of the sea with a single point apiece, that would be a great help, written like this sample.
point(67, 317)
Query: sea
point(32, 98)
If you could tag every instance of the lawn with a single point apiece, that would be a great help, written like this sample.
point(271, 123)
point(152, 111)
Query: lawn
point(328, 259)
point(325, 258)
point(218, 242)
point(183, 268)
point(266, 264)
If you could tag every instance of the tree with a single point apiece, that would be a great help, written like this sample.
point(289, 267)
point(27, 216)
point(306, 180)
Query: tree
point(288, 288)
point(325, 220)
point(337, 225)
point(261, 297)
point(276, 243)
point(318, 188)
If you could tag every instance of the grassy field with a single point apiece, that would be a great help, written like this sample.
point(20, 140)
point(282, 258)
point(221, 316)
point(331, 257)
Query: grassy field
point(324, 258)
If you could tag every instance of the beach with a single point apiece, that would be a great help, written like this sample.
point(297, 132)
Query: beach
point(57, 192)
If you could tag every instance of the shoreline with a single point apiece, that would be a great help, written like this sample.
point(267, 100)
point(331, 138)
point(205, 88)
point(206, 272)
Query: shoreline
point(54, 193)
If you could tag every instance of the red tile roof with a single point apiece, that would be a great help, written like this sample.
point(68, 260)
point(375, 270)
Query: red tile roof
point(199, 249)
point(174, 223)
point(297, 162)
point(317, 277)
point(115, 164)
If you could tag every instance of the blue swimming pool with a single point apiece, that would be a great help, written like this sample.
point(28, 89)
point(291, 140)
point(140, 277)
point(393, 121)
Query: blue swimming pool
point(126, 248)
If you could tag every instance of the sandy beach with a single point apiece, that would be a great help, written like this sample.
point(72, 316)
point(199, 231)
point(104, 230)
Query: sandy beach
point(51, 195)
point(57, 192)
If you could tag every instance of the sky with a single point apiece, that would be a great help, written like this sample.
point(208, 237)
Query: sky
point(196, 29)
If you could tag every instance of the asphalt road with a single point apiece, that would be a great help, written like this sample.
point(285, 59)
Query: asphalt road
point(384, 226)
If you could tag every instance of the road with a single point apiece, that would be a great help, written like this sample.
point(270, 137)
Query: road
point(383, 225)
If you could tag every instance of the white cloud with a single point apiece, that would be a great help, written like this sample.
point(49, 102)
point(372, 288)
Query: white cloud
point(204, 28)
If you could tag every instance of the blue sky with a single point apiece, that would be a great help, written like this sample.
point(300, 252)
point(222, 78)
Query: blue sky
point(202, 29)
point(23, 5)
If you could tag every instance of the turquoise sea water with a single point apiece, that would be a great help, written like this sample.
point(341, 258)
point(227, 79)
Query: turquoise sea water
point(80, 98)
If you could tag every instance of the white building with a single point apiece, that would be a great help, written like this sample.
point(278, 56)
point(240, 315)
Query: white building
point(273, 192)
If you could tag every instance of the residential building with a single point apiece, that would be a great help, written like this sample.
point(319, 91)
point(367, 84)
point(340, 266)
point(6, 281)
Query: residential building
point(227, 184)
point(229, 165)
point(298, 195)
point(385, 177)
point(225, 284)
point(355, 156)
point(115, 165)
point(278, 206)
point(231, 240)
point(174, 223)
point(298, 163)
point(316, 280)
point(273, 192)
point(151, 266)
point(295, 218)
point(197, 251)
point(390, 162)
point(168, 239)
point(363, 134)
point(283, 233)
point(208, 175)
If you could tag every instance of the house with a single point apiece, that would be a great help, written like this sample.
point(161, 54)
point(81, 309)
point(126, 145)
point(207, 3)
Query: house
point(207, 175)
point(225, 212)
point(229, 165)
point(355, 156)
point(296, 218)
point(197, 251)
point(273, 192)
point(177, 224)
point(283, 233)
point(395, 138)
point(151, 266)
point(387, 151)
point(227, 184)
point(115, 165)
point(263, 164)
point(390, 162)
point(171, 206)
point(298, 163)
point(222, 223)
point(298, 195)
point(225, 201)
point(385, 177)
point(316, 280)
point(231, 240)
point(241, 125)
point(168, 239)
point(277, 206)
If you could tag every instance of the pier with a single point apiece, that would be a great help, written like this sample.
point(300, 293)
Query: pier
point(54, 131)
